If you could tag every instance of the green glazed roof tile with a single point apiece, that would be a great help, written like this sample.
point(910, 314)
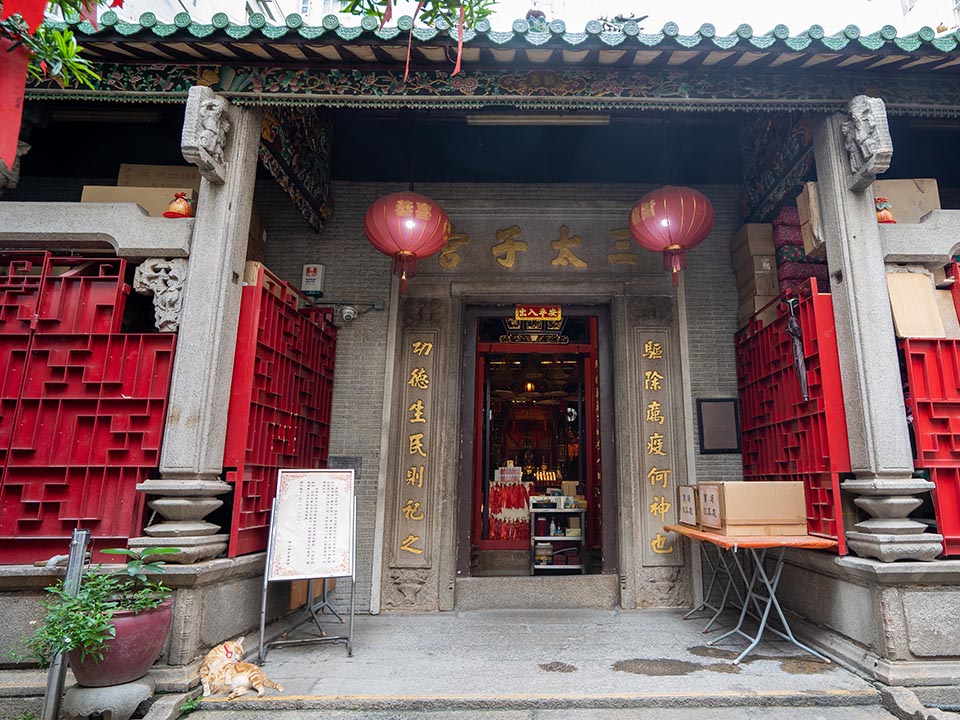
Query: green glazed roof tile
point(369, 23)
point(182, 20)
point(273, 31)
point(293, 21)
point(762, 41)
point(816, 32)
point(594, 27)
point(944, 44)
point(424, 34)
point(520, 26)
point(125, 28)
point(612, 38)
point(575, 38)
point(725, 42)
point(220, 20)
point(689, 41)
point(926, 34)
point(483, 26)
point(387, 33)
point(311, 32)
point(781, 32)
point(148, 20)
point(871, 42)
point(557, 27)
point(86, 28)
point(332, 22)
point(351, 33)
point(109, 18)
point(671, 29)
point(500, 37)
point(835, 43)
point(631, 28)
point(745, 31)
point(650, 40)
point(909, 43)
point(537, 38)
point(165, 29)
point(798, 43)
point(852, 32)
point(257, 20)
point(888, 32)
point(202, 31)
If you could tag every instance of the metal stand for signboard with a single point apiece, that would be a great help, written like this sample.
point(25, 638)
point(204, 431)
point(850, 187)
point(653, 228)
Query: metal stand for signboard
point(315, 608)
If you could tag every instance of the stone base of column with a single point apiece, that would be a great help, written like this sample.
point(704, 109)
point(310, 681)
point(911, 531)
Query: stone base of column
point(889, 535)
point(183, 503)
point(889, 548)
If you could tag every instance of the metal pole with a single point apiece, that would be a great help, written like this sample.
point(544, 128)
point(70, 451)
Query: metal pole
point(58, 666)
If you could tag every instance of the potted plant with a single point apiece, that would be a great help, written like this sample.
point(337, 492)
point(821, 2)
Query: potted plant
point(114, 628)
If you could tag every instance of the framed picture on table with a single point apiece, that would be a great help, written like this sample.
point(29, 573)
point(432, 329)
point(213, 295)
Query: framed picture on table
point(718, 426)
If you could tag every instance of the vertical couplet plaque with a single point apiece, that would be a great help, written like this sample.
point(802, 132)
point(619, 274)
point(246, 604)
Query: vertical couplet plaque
point(417, 450)
point(658, 448)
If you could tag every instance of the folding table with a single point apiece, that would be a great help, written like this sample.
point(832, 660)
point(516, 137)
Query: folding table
point(761, 585)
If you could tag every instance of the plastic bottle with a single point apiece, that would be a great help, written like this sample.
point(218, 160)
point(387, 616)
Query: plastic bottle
point(553, 527)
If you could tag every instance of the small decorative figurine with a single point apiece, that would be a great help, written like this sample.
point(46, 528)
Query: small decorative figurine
point(181, 207)
point(884, 211)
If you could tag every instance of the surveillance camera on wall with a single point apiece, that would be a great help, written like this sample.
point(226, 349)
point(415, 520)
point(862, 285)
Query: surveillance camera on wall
point(348, 313)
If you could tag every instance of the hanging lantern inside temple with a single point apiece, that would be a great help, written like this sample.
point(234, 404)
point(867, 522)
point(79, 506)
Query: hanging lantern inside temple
point(408, 227)
point(671, 220)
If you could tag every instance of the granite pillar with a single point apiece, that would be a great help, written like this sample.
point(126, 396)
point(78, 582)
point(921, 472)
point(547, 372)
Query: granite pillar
point(223, 141)
point(880, 452)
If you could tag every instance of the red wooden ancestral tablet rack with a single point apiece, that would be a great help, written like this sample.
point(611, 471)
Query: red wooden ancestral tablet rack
point(82, 405)
point(280, 400)
point(784, 436)
point(933, 398)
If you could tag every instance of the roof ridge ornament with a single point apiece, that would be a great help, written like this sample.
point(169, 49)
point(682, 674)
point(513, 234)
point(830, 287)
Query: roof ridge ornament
point(205, 128)
point(867, 141)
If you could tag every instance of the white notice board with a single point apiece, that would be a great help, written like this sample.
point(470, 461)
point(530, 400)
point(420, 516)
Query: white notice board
point(312, 526)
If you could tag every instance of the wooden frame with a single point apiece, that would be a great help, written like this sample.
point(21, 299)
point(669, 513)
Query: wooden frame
point(718, 426)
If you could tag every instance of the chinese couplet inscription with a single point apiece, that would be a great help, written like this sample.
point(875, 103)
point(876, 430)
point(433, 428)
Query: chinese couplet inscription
point(659, 449)
point(417, 449)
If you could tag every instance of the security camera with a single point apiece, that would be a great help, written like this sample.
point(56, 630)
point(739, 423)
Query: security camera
point(349, 313)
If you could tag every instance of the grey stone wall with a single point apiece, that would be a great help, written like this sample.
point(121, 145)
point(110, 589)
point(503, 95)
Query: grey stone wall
point(357, 273)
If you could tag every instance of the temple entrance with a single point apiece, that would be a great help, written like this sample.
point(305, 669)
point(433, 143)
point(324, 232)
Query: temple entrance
point(536, 490)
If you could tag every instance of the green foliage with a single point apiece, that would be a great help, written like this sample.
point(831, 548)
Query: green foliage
point(473, 10)
point(26, 715)
point(84, 622)
point(54, 53)
point(188, 706)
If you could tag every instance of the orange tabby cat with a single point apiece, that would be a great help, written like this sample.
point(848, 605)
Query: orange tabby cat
point(222, 669)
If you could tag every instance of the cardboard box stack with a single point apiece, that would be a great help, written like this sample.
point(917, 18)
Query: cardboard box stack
point(909, 200)
point(794, 266)
point(152, 187)
point(753, 508)
point(752, 254)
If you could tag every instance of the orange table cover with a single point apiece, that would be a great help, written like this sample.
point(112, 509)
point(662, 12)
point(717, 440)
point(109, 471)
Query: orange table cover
point(753, 541)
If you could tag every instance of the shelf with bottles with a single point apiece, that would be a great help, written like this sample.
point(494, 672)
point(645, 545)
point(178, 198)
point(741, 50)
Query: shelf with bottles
point(556, 538)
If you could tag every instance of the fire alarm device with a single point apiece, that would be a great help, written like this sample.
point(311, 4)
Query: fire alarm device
point(311, 282)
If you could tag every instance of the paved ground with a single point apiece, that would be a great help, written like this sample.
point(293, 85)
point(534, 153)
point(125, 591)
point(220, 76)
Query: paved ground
point(547, 665)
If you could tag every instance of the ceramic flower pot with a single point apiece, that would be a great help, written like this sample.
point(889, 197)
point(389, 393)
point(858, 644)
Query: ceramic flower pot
point(131, 654)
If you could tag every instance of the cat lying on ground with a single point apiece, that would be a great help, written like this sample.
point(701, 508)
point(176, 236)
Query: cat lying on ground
point(223, 670)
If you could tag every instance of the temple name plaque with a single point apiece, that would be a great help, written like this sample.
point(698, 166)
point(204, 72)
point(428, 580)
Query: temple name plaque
point(313, 525)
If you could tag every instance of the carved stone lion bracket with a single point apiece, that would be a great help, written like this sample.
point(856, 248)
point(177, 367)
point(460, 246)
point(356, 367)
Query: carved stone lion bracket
point(164, 280)
point(867, 141)
point(205, 128)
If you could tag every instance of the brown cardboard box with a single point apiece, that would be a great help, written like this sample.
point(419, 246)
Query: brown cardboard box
point(762, 284)
point(913, 301)
point(753, 508)
point(159, 176)
point(808, 207)
point(909, 199)
point(757, 265)
point(752, 239)
point(687, 500)
point(754, 304)
point(948, 314)
point(154, 200)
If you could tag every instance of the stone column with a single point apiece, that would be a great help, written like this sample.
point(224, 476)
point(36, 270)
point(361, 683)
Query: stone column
point(849, 152)
point(223, 141)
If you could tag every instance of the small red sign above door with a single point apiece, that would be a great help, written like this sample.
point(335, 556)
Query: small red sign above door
point(537, 312)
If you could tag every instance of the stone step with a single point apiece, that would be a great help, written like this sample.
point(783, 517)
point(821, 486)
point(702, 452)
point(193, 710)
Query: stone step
point(566, 592)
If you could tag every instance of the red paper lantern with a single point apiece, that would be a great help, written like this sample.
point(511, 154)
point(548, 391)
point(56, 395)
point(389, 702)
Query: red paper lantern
point(406, 226)
point(671, 220)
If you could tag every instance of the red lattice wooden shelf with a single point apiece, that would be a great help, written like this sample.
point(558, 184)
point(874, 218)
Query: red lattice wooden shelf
point(784, 436)
point(82, 406)
point(279, 402)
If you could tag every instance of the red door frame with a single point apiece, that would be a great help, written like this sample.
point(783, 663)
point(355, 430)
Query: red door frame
point(588, 353)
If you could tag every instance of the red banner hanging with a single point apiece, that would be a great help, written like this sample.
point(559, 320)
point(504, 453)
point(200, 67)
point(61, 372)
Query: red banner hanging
point(13, 81)
point(30, 10)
